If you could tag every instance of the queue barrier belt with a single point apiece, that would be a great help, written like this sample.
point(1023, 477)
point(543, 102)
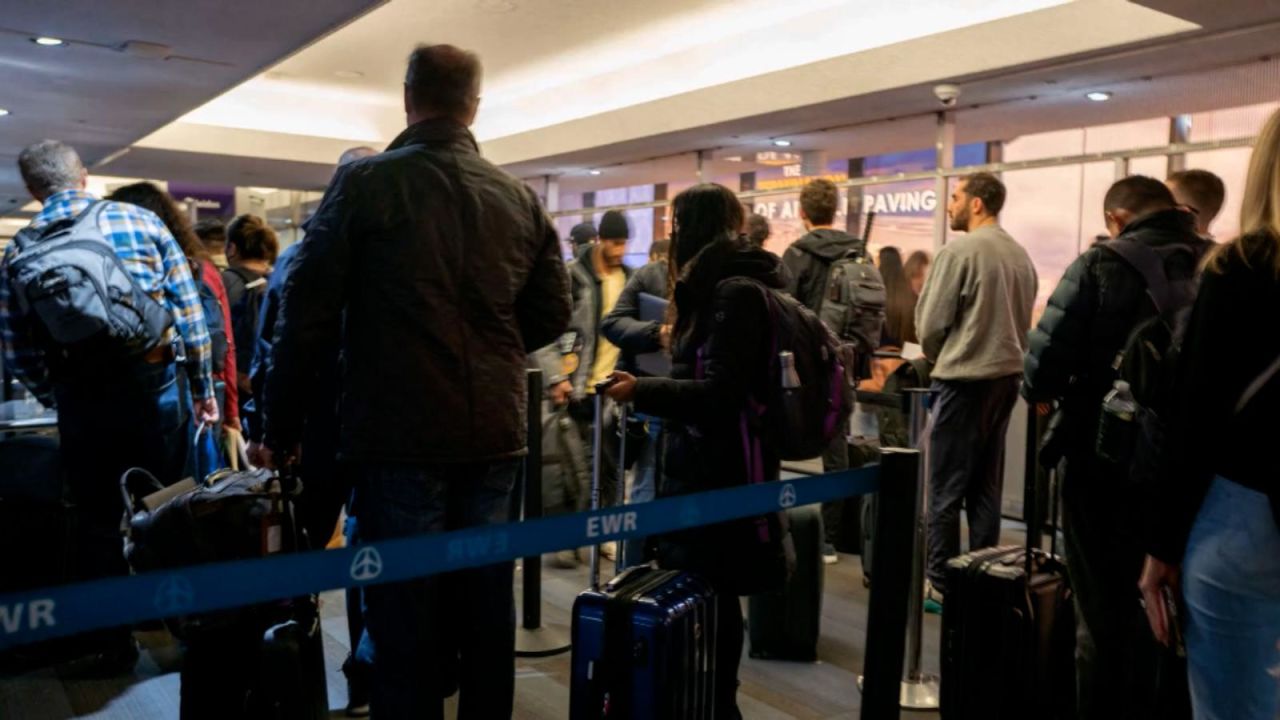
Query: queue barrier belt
point(41, 614)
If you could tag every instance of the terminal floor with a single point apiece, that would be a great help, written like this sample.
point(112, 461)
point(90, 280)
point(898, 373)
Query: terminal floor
point(771, 690)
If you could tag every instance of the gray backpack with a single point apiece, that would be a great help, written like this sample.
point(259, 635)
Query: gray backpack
point(67, 278)
point(854, 301)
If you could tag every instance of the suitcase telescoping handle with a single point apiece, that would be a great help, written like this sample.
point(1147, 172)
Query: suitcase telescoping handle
point(597, 465)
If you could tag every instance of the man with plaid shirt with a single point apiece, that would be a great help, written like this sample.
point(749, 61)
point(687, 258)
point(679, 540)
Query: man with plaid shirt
point(113, 414)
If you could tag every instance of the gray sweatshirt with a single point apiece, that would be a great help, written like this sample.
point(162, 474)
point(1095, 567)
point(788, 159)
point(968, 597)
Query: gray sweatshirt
point(975, 308)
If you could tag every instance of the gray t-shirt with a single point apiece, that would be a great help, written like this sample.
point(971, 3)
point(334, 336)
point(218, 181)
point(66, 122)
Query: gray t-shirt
point(975, 308)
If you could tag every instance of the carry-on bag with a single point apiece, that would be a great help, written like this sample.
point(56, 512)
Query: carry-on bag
point(785, 624)
point(263, 661)
point(643, 645)
point(1008, 629)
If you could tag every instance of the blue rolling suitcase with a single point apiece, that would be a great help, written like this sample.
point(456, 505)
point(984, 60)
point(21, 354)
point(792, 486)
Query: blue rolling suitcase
point(644, 645)
point(644, 648)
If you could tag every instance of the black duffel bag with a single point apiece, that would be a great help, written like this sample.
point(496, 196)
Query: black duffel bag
point(231, 516)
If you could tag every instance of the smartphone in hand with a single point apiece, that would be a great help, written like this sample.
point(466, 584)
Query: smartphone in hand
point(1176, 640)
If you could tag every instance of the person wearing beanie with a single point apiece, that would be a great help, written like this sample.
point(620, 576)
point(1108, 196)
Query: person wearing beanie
point(584, 357)
point(581, 235)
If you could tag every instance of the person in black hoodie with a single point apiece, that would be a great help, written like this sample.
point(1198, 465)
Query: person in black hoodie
point(720, 359)
point(1217, 512)
point(807, 262)
point(1091, 314)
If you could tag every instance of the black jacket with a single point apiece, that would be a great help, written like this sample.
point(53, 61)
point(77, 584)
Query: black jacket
point(724, 318)
point(1231, 337)
point(624, 328)
point(808, 260)
point(440, 272)
point(1092, 312)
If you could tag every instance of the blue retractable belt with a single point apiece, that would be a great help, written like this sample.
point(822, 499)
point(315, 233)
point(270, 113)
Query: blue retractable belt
point(69, 609)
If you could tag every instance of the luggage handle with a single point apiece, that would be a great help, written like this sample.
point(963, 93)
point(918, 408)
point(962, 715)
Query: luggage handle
point(597, 459)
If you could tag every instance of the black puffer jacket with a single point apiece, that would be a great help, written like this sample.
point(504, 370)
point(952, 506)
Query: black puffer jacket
point(809, 259)
point(1092, 312)
point(724, 318)
point(444, 273)
point(623, 326)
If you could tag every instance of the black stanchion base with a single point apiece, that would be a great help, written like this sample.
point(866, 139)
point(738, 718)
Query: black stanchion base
point(545, 641)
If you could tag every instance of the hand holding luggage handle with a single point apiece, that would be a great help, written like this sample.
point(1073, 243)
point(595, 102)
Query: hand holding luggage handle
point(597, 445)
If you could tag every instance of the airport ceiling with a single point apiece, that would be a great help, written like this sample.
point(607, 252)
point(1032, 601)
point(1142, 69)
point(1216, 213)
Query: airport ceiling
point(575, 85)
point(129, 67)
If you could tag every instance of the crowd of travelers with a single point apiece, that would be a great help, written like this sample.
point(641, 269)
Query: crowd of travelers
point(386, 353)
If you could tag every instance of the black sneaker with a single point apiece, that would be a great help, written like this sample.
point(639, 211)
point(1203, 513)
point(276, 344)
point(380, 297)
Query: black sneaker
point(357, 687)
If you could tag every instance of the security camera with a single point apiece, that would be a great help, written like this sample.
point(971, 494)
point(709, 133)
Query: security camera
point(948, 95)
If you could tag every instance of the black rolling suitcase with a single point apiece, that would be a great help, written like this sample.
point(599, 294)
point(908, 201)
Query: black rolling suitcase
point(262, 662)
point(785, 624)
point(1008, 629)
point(643, 645)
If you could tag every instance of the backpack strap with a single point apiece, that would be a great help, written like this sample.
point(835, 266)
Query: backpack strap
point(29, 236)
point(1258, 383)
point(1150, 264)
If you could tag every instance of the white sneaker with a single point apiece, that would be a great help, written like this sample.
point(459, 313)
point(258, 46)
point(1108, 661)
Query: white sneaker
point(609, 550)
point(829, 555)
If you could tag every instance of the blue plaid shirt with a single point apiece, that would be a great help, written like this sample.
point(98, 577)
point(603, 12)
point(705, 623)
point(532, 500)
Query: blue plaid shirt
point(150, 254)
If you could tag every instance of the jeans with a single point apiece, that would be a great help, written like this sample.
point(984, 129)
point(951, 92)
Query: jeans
point(966, 466)
point(108, 422)
point(435, 634)
point(1231, 582)
point(644, 486)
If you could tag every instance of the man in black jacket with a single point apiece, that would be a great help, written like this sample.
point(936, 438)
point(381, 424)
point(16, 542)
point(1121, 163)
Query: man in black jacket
point(439, 273)
point(1093, 311)
point(637, 336)
point(807, 263)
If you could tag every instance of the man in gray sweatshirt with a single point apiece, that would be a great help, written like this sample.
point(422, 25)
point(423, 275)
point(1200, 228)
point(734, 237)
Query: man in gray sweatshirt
point(972, 318)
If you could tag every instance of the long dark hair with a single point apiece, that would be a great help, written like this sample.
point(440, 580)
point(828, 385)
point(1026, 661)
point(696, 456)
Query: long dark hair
point(150, 197)
point(900, 302)
point(701, 215)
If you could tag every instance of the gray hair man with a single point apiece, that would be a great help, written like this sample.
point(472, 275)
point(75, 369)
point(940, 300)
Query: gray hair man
point(120, 407)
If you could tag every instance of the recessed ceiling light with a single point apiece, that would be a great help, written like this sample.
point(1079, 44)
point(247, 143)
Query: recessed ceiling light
point(782, 143)
point(349, 74)
point(1098, 96)
point(596, 172)
point(3, 112)
point(48, 41)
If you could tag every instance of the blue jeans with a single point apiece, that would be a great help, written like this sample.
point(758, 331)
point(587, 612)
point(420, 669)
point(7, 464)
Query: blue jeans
point(644, 486)
point(436, 634)
point(110, 419)
point(1231, 582)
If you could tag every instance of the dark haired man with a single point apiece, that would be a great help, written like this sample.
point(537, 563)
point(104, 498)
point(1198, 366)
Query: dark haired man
point(807, 262)
point(972, 320)
point(1201, 193)
point(1091, 314)
point(584, 357)
point(459, 277)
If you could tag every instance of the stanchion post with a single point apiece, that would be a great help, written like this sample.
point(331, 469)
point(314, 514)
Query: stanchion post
point(920, 690)
point(895, 543)
point(531, 608)
point(532, 639)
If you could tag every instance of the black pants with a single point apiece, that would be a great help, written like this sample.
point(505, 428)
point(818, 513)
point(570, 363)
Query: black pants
point(1118, 663)
point(966, 466)
point(836, 457)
